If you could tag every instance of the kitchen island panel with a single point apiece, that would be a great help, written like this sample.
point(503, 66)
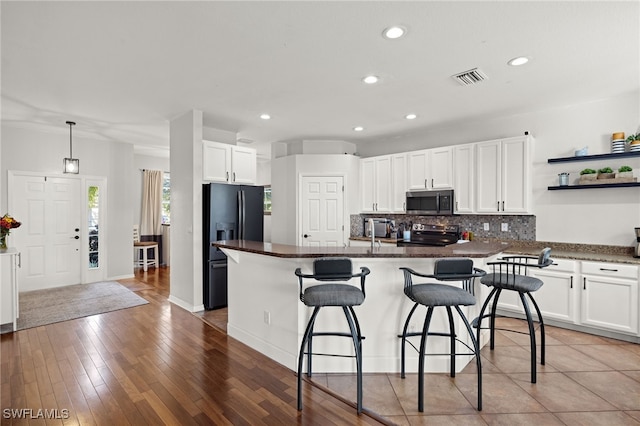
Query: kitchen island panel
point(266, 314)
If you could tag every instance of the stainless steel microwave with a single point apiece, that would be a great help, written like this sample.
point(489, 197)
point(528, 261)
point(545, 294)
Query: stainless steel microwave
point(433, 202)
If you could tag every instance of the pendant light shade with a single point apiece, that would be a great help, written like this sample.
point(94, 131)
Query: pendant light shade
point(71, 165)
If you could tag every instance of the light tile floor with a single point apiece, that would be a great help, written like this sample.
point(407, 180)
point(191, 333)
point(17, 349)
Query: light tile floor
point(587, 380)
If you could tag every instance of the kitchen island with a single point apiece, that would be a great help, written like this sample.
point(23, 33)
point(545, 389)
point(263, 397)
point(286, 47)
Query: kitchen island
point(266, 314)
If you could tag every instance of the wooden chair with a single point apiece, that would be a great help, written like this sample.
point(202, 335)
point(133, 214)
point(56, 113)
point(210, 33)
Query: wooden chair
point(141, 251)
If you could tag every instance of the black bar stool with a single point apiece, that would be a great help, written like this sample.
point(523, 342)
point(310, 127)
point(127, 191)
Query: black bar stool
point(509, 273)
point(432, 295)
point(343, 295)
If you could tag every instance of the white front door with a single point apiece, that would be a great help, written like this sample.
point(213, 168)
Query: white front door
point(322, 211)
point(50, 236)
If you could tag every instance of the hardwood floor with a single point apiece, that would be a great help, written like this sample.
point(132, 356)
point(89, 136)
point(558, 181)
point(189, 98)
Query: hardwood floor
point(152, 364)
point(158, 364)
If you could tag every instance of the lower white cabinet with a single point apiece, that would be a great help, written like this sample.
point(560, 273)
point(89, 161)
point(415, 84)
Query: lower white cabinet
point(558, 297)
point(595, 295)
point(610, 296)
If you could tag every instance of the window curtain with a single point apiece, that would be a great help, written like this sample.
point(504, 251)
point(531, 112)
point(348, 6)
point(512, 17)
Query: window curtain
point(151, 220)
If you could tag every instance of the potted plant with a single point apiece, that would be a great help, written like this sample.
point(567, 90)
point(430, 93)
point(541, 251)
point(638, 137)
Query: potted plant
point(634, 139)
point(606, 173)
point(624, 172)
point(588, 175)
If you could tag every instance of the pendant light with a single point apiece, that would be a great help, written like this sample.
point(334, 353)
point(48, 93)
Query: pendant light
point(71, 165)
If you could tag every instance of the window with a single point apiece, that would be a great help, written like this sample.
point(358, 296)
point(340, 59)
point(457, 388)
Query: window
point(94, 221)
point(267, 199)
point(166, 199)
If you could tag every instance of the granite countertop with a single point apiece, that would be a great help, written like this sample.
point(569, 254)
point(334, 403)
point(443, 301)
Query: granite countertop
point(589, 252)
point(594, 253)
point(473, 249)
point(382, 240)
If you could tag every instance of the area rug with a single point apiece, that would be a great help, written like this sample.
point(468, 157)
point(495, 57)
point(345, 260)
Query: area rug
point(42, 307)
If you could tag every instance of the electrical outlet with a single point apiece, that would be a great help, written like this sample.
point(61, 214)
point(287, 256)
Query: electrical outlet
point(486, 226)
point(505, 227)
point(267, 317)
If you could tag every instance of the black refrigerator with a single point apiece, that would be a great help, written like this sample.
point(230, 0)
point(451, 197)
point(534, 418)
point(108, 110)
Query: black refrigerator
point(230, 212)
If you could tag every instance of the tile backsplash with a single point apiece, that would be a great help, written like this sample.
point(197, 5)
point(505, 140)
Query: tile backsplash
point(520, 227)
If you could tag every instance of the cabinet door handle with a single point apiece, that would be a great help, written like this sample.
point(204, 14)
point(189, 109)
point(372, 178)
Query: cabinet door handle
point(404, 206)
point(234, 176)
point(227, 176)
point(498, 205)
point(456, 206)
point(584, 283)
point(608, 269)
point(425, 183)
point(571, 285)
point(432, 183)
point(503, 206)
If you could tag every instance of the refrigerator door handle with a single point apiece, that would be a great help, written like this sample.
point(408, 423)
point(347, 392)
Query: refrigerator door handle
point(239, 215)
point(244, 215)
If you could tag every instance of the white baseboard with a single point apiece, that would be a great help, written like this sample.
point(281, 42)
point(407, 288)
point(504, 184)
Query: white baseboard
point(120, 277)
point(185, 305)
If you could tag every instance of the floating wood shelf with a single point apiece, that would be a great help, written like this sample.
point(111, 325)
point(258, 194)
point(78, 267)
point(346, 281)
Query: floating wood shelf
point(594, 157)
point(602, 185)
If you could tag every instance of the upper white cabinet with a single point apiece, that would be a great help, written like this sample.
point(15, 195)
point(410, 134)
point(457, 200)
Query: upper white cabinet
point(430, 168)
point(503, 181)
point(376, 184)
point(226, 163)
point(399, 183)
point(464, 161)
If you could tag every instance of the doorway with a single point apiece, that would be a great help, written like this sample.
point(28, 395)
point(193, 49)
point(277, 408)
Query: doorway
point(53, 239)
point(322, 211)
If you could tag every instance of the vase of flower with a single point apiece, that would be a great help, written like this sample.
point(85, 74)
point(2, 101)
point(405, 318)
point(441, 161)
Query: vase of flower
point(7, 223)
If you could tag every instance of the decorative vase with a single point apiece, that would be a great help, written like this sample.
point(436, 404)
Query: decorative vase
point(3, 242)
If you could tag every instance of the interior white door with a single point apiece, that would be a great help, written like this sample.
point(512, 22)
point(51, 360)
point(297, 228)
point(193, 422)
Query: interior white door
point(49, 238)
point(322, 211)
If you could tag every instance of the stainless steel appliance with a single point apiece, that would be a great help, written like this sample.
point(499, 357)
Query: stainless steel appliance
point(431, 202)
point(637, 250)
point(432, 235)
point(382, 228)
point(229, 212)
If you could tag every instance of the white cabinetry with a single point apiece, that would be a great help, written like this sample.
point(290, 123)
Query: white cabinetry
point(557, 298)
point(591, 295)
point(503, 181)
point(376, 184)
point(610, 296)
point(399, 183)
point(226, 163)
point(464, 165)
point(430, 168)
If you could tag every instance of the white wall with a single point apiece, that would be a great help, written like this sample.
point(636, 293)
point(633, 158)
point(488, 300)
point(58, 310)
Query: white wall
point(42, 152)
point(186, 211)
point(285, 173)
point(596, 216)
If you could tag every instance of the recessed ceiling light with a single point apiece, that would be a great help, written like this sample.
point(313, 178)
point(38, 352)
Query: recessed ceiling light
point(265, 116)
point(410, 116)
point(371, 79)
point(520, 60)
point(358, 128)
point(394, 32)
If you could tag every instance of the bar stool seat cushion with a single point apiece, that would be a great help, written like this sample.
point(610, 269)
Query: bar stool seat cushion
point(440, 295)
point(521, 283)
point(333, 295)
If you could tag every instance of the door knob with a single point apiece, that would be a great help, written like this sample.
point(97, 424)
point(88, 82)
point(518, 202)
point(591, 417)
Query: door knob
point(77, 229)
point(306, 236)
point(76, 237)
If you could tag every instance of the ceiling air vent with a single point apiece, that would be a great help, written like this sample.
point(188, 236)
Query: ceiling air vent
point(470, 77)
